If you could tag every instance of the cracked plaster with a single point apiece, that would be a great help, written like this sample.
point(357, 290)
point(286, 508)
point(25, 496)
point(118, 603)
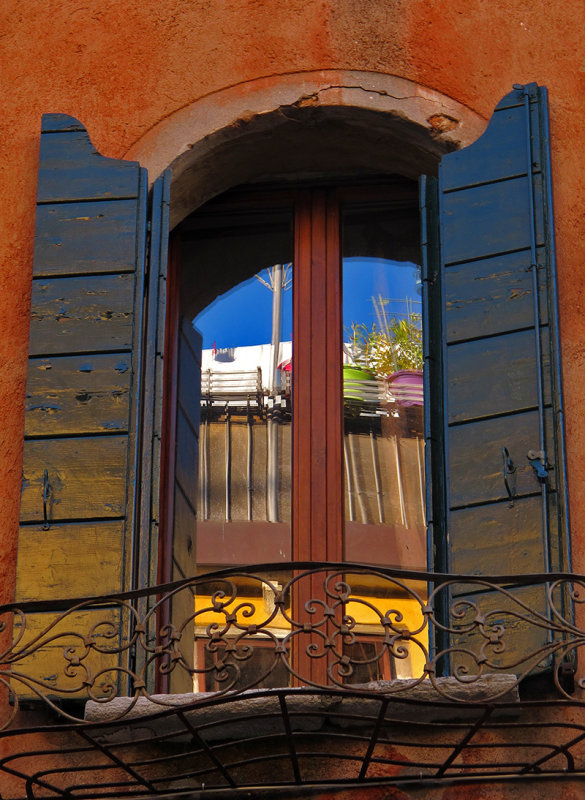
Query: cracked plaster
point(283, 126)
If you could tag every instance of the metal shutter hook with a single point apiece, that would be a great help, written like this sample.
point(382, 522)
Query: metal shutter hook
point(508, 470)
point(47, 490)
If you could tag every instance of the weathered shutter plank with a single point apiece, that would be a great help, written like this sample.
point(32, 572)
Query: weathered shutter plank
point(85, 237)
point(522, 521)
point(147, 542)
point(497, 219)
point(494, 375)
point(82, 314)
point(78, 394)
point(476, 292)
point(88, 554)
point(502, 154)
point(87, 478)
point(474, 466)
point(71, 169)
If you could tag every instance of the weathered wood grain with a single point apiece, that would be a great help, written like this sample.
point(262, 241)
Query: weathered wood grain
point(503, 538)
point(70, 168)
point(495, 376)
point(71, 560)
point(77, 394)
point(74, 238)
point(87, 477)
point(491, 296)
point(488, 219)
point(475, 459)
point(500, 152)
point(82, 314)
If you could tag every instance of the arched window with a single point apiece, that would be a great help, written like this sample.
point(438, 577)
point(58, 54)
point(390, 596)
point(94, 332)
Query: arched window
point(100, 343)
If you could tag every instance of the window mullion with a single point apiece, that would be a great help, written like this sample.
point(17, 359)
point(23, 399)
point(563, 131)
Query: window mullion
point(317, 476)
point(317, 513)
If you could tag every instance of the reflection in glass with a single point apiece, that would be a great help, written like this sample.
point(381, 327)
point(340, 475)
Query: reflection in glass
point(237, 290)
point(383, 397)
point(245, 400)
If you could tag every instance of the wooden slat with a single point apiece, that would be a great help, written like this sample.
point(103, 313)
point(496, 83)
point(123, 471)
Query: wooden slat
point(77, 394)
point(188, 411)
point(47, 663)
point(475, 458)
point(506, 539)
point(53, 123)
point(495, 376)
point(483, 298)
point(71, 169)
point(497, 220)
point(74, 238)
point(81, 314)
point(500, 152)
point(72, 560)
point(185, 423)
point(87, 478)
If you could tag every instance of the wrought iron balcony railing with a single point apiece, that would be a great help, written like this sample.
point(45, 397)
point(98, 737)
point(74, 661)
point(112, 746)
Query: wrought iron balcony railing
point(202, 682)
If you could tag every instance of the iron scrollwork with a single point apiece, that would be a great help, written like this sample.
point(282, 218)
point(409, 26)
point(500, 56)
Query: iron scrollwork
point(347, 627)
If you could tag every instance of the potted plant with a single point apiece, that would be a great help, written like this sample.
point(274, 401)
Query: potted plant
point(393, 353)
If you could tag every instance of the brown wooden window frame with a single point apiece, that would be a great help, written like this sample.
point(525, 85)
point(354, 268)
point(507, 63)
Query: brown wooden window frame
point(317, 463)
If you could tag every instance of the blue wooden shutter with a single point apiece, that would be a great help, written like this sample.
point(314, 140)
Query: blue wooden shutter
point(499, 504)
point(81, 451)
point(152, 400)
point(182, 500)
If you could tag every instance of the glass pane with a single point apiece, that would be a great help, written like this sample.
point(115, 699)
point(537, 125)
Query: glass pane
point(383, 393)
point(236, 290)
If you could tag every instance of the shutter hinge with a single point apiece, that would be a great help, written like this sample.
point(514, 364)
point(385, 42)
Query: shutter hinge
point(538, 462)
